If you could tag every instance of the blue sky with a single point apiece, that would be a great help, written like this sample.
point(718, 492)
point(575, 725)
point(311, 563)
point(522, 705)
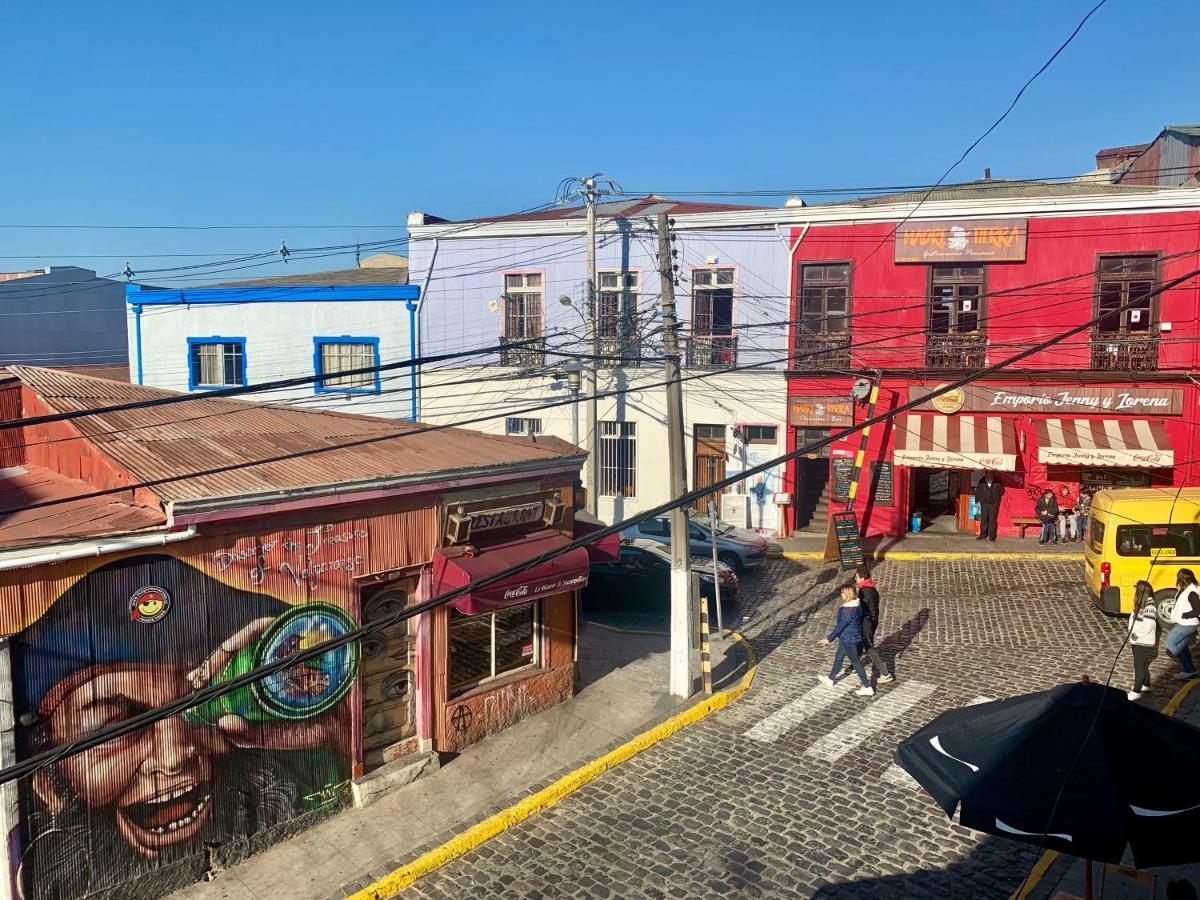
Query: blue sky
point(304, 113)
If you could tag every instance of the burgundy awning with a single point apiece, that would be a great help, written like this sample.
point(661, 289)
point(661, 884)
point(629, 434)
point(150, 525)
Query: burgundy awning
point(605, 549)
point(454, 567)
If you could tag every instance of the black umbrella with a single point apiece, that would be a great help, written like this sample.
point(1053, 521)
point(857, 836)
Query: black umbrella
point(1136, 782)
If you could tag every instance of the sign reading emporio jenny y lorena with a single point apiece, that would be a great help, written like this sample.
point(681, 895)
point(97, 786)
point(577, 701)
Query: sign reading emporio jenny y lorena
point(1131, 400)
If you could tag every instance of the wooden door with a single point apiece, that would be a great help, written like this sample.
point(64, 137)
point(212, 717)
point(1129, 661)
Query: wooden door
point(708, 462)
point(388, 669)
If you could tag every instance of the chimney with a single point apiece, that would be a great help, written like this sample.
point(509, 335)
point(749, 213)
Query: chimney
point(987, 174)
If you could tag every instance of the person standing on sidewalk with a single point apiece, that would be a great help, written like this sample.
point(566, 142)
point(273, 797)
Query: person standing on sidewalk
point(847, 631)
point(1143, 637)
point(1186, 615)
point(868, 596)
point(987, 494)
point(1083, 509)
point(1047, 512)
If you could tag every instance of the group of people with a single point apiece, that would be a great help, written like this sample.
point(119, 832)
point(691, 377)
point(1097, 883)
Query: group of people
point(1059, 525)
point(854, 632)
point(1143, 630)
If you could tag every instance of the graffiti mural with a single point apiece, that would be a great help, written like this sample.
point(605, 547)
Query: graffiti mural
point(140, 632)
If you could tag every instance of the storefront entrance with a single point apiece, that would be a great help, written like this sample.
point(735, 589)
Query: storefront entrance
point(941, 496)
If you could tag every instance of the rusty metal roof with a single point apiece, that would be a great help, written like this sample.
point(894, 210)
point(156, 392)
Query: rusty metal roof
point(95, 517)
point(999, 188)
point(207, 433)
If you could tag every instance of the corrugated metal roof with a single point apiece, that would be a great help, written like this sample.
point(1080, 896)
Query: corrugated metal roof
point(96, 517)
point(999, 189)
point(372, 275)
point(206, 432)
point(1190, 130)
point(650, 205)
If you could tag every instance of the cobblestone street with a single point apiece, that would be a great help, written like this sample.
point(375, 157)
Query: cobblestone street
point(792, 791)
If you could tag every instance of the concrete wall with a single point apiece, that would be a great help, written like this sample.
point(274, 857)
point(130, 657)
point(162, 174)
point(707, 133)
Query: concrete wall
point(65, 317)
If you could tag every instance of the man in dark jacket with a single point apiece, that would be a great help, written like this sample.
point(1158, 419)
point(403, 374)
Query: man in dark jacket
point(987, 494)
point(868, 594)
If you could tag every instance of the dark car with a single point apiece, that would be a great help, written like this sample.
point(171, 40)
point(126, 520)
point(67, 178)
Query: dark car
point(641, 579)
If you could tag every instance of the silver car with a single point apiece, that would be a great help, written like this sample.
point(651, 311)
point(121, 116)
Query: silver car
point(738, 548)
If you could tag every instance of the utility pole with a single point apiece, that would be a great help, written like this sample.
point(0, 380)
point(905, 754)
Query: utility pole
point(681, 618)
point(593, 338)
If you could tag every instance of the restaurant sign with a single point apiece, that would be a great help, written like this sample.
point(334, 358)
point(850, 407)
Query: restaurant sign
point(1024, 398)
point(494, 517)
point(821, 412)
point(966, 240)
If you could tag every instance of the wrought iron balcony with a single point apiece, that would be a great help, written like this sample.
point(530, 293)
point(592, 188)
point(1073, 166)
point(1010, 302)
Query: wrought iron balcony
point(955, 351)
point(524, 356)
point(821, 351)
point(1121, 353)
point(713, 351)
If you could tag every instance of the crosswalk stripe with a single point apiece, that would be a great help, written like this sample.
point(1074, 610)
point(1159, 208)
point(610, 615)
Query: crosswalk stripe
point(893, 774)
point(837, 743)
point(788, 716)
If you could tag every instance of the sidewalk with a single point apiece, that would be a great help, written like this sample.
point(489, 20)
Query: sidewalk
point(622, 690)
point(931, 545)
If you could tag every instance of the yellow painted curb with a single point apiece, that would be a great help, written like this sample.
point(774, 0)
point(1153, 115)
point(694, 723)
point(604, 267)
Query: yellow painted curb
point(910, 555)
point(1048, 858)
point(397, 880)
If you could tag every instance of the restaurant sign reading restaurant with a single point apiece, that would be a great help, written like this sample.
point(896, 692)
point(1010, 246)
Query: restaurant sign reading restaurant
point(502, 516)
point(963, 241)
point(1023, 398)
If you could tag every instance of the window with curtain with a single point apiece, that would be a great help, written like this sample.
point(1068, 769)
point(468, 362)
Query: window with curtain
point(217, 363)
point(346, 355)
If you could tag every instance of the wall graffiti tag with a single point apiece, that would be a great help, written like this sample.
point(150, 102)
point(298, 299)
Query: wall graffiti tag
point(324, 549)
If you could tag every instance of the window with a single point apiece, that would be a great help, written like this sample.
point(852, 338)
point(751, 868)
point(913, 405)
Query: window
point(345, 354)
point(1096, 534)
point(523, 426)
point(954, 296)
point(712, 344)
point(659, 527)
point(493, 644)
point(1121, 280)
point(617, 315)
point(522, 318)
point(823, 298)
point(216, 362)
point(759, 434)
point(1182, 540)
point(618, 459)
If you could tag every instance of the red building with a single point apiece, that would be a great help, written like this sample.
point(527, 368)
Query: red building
point(922, 293)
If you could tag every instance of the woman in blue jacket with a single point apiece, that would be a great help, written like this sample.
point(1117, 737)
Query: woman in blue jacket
point(847, 631)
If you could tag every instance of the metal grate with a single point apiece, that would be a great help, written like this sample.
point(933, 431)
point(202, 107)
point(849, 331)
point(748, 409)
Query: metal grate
point(618, 459)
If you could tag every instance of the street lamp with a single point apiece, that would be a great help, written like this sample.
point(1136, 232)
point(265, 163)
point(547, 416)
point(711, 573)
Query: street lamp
point(574, 370)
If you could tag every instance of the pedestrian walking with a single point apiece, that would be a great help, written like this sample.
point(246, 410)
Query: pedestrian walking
point(1083, 511)
point(987, 494)
point(847, 631)
point(1047, 512)
point(1143, 637)
point(868, 596)
point(1185, 615)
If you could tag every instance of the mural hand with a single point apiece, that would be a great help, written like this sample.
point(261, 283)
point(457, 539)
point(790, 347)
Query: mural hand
point(320, 731)
point(215, 662)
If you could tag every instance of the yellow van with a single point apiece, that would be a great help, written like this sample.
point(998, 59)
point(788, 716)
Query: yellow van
point(1137, 534)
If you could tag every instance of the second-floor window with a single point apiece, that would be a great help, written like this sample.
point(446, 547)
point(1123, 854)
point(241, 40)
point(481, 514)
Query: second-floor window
point(712, 301)
point(823, 298)
point(346, 354)
point(216, 362)
point(517, 426)
point(1122, 280)
point(955, 293)
point(616, 314)
point(523, 312)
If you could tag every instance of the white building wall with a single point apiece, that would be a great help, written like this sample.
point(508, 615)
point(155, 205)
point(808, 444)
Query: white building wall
point(279, 344)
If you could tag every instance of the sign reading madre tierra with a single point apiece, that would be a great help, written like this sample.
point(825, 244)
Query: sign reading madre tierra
point(1132, 400)
point(968, 240)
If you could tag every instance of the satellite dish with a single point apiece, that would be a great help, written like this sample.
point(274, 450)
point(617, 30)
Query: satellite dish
point(861, 389)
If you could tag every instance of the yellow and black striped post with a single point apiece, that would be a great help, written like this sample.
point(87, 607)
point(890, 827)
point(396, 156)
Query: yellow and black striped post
point(856, 472)
point(705, 654)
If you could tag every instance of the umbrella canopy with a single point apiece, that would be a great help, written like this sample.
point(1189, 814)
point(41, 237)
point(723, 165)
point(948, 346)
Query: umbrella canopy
point(1136, 783)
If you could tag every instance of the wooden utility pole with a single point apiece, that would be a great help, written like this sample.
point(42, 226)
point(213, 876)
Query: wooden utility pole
point(592, 481)
point(681, 618)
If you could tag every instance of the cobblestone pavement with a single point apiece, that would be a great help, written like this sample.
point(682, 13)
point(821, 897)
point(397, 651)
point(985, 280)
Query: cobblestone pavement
point(809, 803)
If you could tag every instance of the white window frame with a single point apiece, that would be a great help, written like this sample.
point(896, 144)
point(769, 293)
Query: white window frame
point(613, 435)
point(525, 427)
point(532, 354)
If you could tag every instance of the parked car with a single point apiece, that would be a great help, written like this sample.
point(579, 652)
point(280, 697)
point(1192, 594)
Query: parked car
point(641, 579)
point(738, 548)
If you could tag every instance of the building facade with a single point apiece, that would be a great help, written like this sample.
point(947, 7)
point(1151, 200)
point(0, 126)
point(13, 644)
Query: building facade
point(197, 339)
point(120, 603)
point(916, 294)
point(523, 277)
point(62, 316)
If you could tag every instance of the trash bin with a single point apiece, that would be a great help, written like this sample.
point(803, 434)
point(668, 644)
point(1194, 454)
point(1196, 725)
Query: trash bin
point(916, 523)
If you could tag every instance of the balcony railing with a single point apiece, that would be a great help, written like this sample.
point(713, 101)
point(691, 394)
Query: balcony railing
point(1121, 353)
point(524, 356)
point(821, 351)
point(955, 351)
point(712, 351)
point(621, 351)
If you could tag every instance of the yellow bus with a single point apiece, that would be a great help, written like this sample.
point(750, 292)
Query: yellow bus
point(1140, 534)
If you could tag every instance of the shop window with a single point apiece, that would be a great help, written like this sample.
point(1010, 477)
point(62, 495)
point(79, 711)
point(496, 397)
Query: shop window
point(522, 319)
point(346, 354)
point(490, 645)
point(806, 437)
point(618, 459)
point(1122, 280)
point(617, 316)
point(216, 362)
point(1174, 540)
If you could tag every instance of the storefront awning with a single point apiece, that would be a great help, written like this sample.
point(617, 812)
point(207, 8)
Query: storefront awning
point(956, 442)
point(454, 567)
point(1138, 443)
point(605, 549)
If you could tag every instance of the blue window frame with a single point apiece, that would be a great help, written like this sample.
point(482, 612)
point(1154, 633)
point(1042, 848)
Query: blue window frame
point(341, 354)
point(216, 362)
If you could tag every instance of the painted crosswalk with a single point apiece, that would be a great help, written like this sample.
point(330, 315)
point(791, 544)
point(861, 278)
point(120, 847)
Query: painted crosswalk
point(893, 774)
point(803, 707)
point(867, 724)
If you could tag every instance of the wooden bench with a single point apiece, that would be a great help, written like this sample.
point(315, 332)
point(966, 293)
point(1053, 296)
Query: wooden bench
point(1023, 522)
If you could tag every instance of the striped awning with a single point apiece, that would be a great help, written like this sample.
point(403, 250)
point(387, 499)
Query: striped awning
point(956, 442)
point(1138, 443)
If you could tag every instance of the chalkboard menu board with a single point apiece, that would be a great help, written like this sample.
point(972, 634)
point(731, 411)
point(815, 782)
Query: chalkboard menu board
point(849, 545)
point(883, 487)
point(842, 470)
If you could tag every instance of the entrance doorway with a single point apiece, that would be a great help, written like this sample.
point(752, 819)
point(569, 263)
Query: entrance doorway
point(708, 462)
point(938, 496)
point(812, 493)
point(388, 677)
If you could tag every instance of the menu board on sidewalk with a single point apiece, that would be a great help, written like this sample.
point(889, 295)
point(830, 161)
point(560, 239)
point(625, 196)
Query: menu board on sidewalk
point(883, 488)
point(849, 543)
point(842, 470)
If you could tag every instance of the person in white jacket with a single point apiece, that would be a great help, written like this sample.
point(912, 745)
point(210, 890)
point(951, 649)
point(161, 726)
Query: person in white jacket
point(1143, 637)
point(1186, 616)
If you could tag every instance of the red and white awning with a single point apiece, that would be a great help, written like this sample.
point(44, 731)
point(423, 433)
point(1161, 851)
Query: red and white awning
point(1136, 443)
point(956, 442)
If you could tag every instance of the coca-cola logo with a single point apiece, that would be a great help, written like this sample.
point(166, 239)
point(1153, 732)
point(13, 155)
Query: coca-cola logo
point(557, 586)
